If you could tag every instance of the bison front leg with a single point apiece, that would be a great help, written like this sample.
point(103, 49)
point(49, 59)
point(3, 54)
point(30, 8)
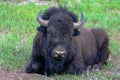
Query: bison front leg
point(76, 66)
point(36, 64)
point(46, 70)
point(35, 67)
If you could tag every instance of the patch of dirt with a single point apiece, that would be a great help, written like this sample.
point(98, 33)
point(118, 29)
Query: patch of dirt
point(20, 75)
point(37, 2)
point(4, 75)
point(117, 37)
point(116, 60)
point(3, 32)
point(114, 70)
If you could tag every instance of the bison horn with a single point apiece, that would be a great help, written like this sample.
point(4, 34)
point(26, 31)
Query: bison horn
point(79, 24)
point(41, 21)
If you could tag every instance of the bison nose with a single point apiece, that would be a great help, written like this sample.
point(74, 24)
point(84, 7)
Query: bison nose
point(59, 54)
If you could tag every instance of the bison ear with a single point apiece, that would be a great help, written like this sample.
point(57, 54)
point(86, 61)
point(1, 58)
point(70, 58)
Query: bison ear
point(42, 29)
point(76, 32)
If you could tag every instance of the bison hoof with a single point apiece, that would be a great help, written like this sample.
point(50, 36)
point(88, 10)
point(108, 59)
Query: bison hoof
point(96, 68)
point(28, 70)
point(36, 67)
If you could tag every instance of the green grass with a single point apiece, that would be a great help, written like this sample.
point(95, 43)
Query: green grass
point(18, 27)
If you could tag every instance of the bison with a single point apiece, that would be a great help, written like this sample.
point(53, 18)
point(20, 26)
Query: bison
point(63, 45)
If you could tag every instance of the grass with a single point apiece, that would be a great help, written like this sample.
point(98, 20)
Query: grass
point(18, 27)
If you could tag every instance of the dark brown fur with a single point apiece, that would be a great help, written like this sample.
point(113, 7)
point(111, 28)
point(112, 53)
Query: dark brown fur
point(90, 47)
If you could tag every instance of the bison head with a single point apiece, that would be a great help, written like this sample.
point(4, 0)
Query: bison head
point(60, 28)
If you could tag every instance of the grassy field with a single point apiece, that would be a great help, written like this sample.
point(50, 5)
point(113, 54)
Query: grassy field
point(18, 27)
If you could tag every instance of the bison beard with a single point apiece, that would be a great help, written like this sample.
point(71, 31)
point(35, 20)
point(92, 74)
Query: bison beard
point(70, 64)
point(51, 64)
point(78, 47)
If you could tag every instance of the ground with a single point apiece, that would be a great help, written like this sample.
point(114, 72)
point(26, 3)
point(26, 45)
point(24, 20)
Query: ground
point(4, 75)
point(18, 27)
point(21, 75)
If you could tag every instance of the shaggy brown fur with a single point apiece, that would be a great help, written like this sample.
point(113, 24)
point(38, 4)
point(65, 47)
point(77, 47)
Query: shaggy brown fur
point(89, 47)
